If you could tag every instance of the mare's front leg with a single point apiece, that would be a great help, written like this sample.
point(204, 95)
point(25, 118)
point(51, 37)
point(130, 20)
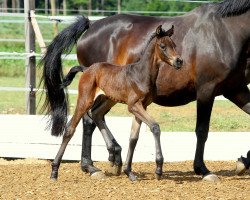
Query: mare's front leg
point(139, 111)
point(205, 101)
point(241, 98)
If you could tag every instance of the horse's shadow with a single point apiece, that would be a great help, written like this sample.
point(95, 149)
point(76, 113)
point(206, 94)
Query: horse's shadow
point(190, 176)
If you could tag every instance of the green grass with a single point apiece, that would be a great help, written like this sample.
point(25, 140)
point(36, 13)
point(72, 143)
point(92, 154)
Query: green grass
point(225, 116)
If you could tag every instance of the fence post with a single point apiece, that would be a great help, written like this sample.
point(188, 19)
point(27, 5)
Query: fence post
point(30, 64)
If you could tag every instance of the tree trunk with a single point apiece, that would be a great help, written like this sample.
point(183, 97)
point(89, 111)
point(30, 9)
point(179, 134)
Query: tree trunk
point(90, 7)
point(46, 7)
point(102, 6)
point(64, 7)
point(13, 3)
point(119, 6)
point(18, 6)
point(53, 13)
point(5, 6)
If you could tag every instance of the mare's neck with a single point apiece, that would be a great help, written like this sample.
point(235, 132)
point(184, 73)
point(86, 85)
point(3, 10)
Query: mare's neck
point(240, 25)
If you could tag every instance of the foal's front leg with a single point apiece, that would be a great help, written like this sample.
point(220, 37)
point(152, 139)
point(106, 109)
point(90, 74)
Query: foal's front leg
point(138, 110)
point(134, 135)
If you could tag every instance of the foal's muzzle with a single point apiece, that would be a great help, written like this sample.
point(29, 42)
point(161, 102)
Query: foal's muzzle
point(178, 62)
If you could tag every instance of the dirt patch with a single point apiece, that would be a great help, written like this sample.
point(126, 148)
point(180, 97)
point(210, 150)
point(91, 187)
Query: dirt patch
point(29, 179)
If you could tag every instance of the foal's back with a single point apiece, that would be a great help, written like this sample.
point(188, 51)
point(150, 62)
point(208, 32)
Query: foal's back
point(108, 79)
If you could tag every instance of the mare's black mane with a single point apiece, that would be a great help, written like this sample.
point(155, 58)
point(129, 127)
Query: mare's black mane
point(230, 8)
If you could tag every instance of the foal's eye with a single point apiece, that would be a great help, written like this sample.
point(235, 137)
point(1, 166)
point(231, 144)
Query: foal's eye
point(162, 46)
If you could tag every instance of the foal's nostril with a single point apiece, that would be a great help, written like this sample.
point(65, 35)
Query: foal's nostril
point(178, 63)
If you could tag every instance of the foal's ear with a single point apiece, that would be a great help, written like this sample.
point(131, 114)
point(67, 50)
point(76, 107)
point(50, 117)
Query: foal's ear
point(159, 31)
point(170, 32)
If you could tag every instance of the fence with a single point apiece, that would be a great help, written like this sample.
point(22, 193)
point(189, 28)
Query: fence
point(32, 31)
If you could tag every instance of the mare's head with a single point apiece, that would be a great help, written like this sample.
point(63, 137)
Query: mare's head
point(165, 47)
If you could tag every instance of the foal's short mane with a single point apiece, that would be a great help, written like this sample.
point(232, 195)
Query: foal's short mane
point(153, 35)
point(229, 8)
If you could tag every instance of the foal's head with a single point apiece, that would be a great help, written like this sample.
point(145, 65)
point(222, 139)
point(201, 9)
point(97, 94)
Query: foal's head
point(165, 47)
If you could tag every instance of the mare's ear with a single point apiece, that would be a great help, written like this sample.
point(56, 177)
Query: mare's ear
point(159, 31)
point(170, 32)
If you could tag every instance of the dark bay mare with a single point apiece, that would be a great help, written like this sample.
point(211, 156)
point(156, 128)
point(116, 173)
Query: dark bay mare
point(132, 84)
point(214, 42)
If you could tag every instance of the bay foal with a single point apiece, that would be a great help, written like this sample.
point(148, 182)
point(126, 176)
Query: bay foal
point(131, 84)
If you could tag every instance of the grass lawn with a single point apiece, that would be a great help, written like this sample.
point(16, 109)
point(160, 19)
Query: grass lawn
point(225, 116)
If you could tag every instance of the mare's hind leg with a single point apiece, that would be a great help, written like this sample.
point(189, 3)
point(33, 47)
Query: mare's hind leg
point(241, 98)
point(86, 161)
point(138, 110)
point(101, 106)
point(134, 135)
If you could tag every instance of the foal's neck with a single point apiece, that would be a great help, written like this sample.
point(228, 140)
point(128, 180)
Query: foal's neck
point(147, 67)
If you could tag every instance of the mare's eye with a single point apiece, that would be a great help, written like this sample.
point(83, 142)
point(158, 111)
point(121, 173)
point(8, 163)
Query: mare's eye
point(162, 46)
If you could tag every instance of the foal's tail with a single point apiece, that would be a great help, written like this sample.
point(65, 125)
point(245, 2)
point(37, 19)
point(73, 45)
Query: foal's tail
point(71, 75)
point(56, 102)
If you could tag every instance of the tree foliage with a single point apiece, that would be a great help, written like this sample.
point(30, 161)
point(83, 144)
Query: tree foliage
point(147, 7)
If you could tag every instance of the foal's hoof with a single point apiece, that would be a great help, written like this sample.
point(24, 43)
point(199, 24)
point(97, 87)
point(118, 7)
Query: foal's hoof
point(132, 177)
point(99, 175)
point(240, 168)
point(115, 169)
point(158, 176)
point(53, 179)
point(211, 178)
point(54, 176)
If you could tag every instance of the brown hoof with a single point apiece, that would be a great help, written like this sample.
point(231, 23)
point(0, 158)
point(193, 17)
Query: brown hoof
point(240, 168)
point(99, 175)
point(211, 178)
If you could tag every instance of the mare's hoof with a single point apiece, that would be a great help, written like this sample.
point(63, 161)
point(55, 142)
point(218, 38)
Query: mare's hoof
point(115, 170)
point(240, 168)
point(211, 178)
point(99, 175)
point(158, 176)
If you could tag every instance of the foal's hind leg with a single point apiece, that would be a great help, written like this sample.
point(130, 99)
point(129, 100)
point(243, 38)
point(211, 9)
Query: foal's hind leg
point(138, 110)
point(101, 106)
point(113, 147)
point(80, 110)
point(241, 98)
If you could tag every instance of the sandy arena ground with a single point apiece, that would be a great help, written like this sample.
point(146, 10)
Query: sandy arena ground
point(29, 179)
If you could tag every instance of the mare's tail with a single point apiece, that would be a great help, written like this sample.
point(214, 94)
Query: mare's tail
point(56, 103)
point(71, 75)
